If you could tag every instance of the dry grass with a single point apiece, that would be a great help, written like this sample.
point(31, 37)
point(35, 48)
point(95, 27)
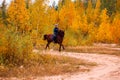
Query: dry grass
point(45, 65)
point(94, 49)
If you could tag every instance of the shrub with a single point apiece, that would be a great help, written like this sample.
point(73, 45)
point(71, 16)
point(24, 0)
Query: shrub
point(16, 46)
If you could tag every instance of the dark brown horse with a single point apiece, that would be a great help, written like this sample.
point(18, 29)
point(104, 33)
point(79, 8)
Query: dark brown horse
point(59, 39)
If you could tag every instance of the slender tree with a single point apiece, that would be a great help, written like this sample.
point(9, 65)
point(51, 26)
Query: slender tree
point(3, 12)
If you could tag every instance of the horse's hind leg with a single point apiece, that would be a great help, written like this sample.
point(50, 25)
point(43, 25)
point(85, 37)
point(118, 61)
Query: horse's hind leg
point(60, 48)
point(46, 46)
point(63, 47)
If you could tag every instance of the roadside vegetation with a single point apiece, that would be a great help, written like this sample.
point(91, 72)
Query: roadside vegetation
point(45, 65)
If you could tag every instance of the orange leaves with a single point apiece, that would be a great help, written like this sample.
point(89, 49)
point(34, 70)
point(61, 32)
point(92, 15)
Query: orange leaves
point(116, 28)
point(67, 15)
point(85, 21)
point(52, 15)
point(104, 31)
point(18, 14)
point(104, 17)
point(73, 16)
point(37, 15)
point(83, 25)
point(3, 42)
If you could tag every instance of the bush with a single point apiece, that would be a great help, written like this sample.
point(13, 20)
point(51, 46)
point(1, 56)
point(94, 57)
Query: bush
point(16, 46)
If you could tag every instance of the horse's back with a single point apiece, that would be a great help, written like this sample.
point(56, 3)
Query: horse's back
point(48, 37)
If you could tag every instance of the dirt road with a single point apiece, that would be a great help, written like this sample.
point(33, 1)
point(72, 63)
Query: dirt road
point(108, 67)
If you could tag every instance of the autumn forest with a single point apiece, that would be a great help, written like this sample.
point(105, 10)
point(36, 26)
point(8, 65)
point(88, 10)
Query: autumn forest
point(23, 24)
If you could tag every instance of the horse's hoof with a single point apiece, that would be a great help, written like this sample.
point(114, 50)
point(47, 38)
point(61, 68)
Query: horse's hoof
point(59, 50)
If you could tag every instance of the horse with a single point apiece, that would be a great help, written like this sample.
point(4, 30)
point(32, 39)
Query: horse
point(59, 39)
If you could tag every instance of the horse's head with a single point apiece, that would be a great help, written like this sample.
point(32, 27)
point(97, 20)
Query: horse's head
point(45, 37)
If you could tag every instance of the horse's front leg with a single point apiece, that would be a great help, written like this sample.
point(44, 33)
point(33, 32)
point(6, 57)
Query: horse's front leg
point(47, 45)
point(60, 47)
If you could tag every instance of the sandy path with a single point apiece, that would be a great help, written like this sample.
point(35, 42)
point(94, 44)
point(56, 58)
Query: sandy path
point(108, 67)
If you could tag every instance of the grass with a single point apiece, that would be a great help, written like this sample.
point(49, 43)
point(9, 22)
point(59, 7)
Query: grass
point(45, 65)
point(94, 49)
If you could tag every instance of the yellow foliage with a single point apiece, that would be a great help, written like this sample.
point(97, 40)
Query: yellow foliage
point(3, 42)
point(89, 12)
point(104, 33)
point(67, 15)
point(84, 24)
point(75, 24)
point(104, 17)
point(80, 22)
point(38, 17)
point(18, 15)
point(116, 28)
point(52, 15)
point(96, 13)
